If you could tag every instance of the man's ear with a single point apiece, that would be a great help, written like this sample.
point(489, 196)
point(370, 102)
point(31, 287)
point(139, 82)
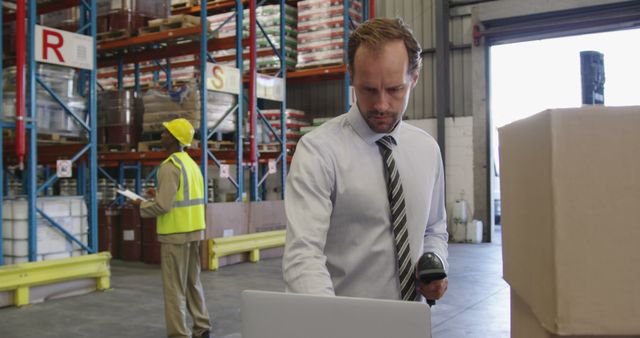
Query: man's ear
point(415, 78)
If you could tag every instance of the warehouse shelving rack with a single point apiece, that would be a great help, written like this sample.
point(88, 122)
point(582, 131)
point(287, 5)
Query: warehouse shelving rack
point(25, 58)
point(201, 48)
point(255, 161)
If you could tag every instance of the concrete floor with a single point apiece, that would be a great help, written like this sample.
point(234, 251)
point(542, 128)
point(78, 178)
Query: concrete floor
point(476, 304)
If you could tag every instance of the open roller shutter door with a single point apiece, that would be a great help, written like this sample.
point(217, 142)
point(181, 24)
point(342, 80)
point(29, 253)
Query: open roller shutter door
point(594, 19)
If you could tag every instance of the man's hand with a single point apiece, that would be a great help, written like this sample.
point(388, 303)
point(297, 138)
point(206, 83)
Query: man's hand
point(151, 192)
point(136, 202)
point(434, 290)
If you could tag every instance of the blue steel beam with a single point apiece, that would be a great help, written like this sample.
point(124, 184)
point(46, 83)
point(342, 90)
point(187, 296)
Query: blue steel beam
point(168, 74)
point(203, 96)
point(366, 7)
point(55, 177)
point(283, 104)
point(81, 187)
point(273, 47)
point(240, 111)
point(151, 175)
point(219, 122)
point(62, 103)
point(106, 174)
point(33, 146)
point(64, 231)
point(268, 125)
point(93, 138)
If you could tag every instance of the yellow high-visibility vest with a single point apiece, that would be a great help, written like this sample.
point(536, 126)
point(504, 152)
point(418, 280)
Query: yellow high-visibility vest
point(187, 212)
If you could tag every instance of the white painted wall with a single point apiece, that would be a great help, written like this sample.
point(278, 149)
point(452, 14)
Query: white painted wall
point(458, 154)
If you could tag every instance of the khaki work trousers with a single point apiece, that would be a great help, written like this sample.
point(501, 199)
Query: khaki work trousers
point(183, 289)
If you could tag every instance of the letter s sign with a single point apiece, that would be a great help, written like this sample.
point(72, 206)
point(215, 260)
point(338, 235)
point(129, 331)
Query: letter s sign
point(222, 78)
point(218, 77)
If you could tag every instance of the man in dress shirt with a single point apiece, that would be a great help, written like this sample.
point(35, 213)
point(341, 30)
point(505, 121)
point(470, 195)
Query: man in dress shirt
point(339, 232)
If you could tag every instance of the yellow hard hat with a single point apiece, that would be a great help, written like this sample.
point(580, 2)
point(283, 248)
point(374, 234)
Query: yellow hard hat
point(181, 129)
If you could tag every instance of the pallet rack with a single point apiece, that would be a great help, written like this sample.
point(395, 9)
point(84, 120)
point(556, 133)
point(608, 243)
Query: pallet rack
point(95, 162)
point(26, 117)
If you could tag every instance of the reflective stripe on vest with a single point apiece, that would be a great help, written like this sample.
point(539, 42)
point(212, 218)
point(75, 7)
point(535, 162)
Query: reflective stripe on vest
point(187, 201)
point(187, 211)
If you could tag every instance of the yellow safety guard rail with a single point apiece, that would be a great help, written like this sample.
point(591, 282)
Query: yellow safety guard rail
point(20, 277)
point(251, 243)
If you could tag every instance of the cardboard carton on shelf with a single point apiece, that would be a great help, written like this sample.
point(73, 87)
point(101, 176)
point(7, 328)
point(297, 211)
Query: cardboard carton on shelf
point(570, 194)
point(224, 220)
point(267, 216)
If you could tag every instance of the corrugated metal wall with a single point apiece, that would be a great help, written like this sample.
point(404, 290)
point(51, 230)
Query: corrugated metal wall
point(325, 98)
point(419, 15)
point(317, 99)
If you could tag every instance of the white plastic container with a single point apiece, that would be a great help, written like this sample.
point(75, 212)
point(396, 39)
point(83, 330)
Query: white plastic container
point(474, 232)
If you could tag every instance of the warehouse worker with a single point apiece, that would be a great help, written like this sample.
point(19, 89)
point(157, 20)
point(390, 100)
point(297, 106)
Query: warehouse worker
point(347, 175)
point(180, 208)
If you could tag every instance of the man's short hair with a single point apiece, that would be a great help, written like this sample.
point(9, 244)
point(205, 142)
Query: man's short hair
point(374, 33)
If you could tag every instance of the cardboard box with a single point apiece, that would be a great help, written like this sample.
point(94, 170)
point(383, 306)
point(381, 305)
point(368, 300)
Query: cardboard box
point(570, 194)
point(224, 220)
point(267, 216)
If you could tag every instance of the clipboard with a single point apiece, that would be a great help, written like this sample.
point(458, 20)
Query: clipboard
point(130, 195)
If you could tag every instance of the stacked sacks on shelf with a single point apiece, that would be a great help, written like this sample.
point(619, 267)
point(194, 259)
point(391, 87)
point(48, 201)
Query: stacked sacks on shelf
point(179, 74)
point(121, 17)
point(295, 120)
point(51, 117)
point(321, 31)
point(119, 117)
point(162, 105)
point(269, 18)
point(69, 212)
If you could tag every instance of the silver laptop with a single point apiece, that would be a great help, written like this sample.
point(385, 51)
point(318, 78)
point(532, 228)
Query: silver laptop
point(286, 315)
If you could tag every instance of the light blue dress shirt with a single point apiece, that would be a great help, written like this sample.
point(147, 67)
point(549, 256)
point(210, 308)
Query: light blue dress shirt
point(339, 237)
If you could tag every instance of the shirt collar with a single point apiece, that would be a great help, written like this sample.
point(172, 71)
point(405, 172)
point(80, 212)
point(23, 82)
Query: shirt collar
point(361, 127)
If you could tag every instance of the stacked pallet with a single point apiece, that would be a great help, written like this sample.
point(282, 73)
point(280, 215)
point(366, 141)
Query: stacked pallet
point(269, 18)
point(52, 119)
point(321, 31)
point(69, 212)
point(295, 120)
point(115, 19)
point(161, 105)
point(119, 119)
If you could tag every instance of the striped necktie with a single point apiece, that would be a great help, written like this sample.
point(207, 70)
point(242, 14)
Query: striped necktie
point(398, 219)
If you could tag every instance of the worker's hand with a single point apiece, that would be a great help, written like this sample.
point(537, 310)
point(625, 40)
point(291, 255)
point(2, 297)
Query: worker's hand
point(434, 290)
point(151, 192)
point(136, 202)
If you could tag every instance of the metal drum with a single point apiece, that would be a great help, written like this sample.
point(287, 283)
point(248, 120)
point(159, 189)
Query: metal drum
point(150, 244)
point(130, 225)
point(119, 116)
point(108, 224)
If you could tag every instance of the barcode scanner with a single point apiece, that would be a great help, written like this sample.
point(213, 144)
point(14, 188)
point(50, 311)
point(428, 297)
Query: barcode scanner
point(430, 268)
